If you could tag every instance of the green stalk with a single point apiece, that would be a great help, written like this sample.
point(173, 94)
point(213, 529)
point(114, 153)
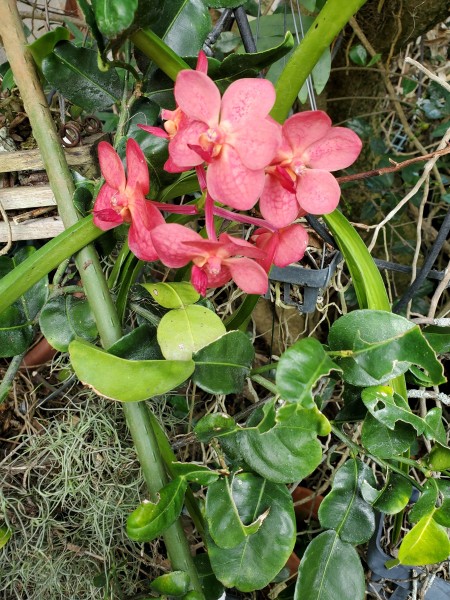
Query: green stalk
point(154, 48)
point(88, 265)
point(331, 19)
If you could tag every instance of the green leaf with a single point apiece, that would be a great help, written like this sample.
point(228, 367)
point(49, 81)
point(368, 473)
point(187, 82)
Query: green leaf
point(214, 425)
point(426, 504)
point(74, 72)
point(373, 61)
point(284, 447)
point(427, 543)
point(438, 338)
point(44, 45)
point(439, 458)
point(65, 318)
point(222, 366)
point(8, 82)
point(224, 3)
point(442, 514)
point(300, 368)
point(114, 17)
point(330, 569)
point(388, 408)
point(150, 520)
point(139, 344)
point(5, 534)
point(126, 380)
point(377, 346)
point(344, 509)
point(175, 583)
point(195, 473)
point(222, 516)
point(184, 331)
point(211, 587)
point(385, 442)
point(16, 328)
point(358, 54)
point(392, 498)
point(260, 557)
point(172, 295)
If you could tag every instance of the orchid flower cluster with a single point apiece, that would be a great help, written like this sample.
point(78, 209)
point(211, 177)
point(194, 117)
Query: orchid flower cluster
point(241, 156)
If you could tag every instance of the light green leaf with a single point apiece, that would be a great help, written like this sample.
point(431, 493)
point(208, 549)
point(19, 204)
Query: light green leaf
point(384, 442)
point(344, 509)
point(174, 294)
point(126, 380)
point(392, 498)
point(42, 47)
point(114, 17)
point(300, 368)
point(214, 425)
point(5, 534)
point(175, 583)
point(330, 569)
point(260, 557)
point(184, 331)
point(65, 318)
point(74, 72)
point(439, 458)
point(377, 346)
point(222, 366)
point(195, 473)
point(284, 447)
point(150, 520)
point(222, 516)
point(427, 543)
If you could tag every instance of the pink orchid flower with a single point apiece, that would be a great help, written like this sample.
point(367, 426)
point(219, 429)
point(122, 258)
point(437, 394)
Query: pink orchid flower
point(233, 135)
point(299, 180)
point(282, 247)
point(215, 262)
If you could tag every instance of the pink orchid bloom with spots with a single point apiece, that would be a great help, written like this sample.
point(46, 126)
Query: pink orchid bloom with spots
point(282, 246)
point(215, 263)
point(299, 179)
point(233, 135)
point(121, 199)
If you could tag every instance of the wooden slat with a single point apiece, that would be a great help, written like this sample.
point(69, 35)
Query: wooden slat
point(30, 160)
point(22, 197)
point(35, 229)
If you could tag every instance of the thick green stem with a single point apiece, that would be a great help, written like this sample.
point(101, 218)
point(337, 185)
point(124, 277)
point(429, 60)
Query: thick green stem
point(93, 280)
point(331, 19)
point(8, 378)
point(154, 48)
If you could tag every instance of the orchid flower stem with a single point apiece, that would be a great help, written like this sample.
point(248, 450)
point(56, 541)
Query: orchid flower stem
point(209, 218)
point(87, 261)
point(238, 218)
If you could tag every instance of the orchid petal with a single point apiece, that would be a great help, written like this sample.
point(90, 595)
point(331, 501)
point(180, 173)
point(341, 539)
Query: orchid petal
point(111, 166)
point(179, 150)
point(168, 240)
point(171, 167)
point(305, 128)
point(155, 131)
point(144, 218)
point(219, 279)
point(198, 96)
point(337, 150)
point(248, 275)
point(266, 241)
point(199, 280)
point(318, 192)
point(246, 100)
point(105, 217)
point(239, 246)
point(202, 63)
point(137, 169)
point(232, 183)
point(258, 144)
point(291, 246)
point(277, 204)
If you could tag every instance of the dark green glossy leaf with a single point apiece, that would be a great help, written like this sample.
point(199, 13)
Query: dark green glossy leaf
point(392, 498)
point(139, 344)
point(237, 63)
point(222, 366)
point(175, 583)
point(344, 509)
point(284, 447)
point(435, 429)
point(195, 473)
point(438, 338)
point(172, 294)
point(330, 569)
point(300, 368)
point(224, 3)
point(150, 520)
point(222, 516)
point(385, 442)
point(65, 318)
point(126, 380)
point(211, 587)
point(257, 560)
point(427, 543)
point(214, 425)
point(74, 72)
point(442, 514)
point(114, 17)
point(358, 54)
point(183, 331)
point(45, 44)
point(379, 346)
point(16, 329)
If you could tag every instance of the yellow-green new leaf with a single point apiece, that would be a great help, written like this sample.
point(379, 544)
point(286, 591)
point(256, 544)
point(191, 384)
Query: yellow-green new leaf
point(126, 380)
point(173, 294)
point(427, 543)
